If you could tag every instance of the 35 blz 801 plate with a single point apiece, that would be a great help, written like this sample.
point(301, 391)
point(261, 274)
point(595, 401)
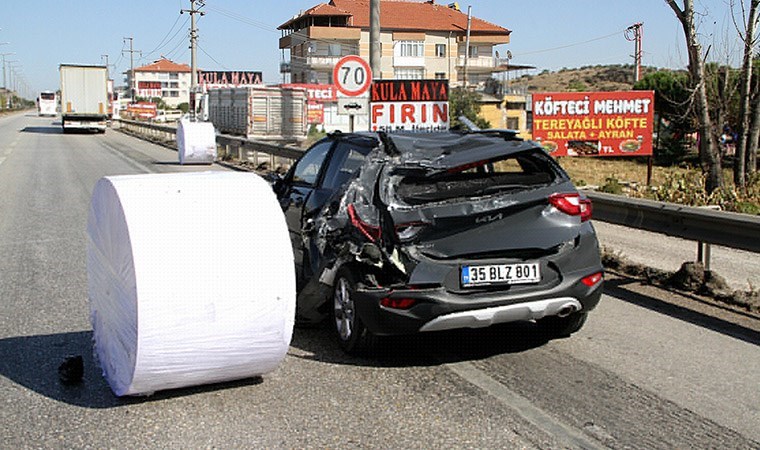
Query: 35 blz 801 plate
point(484, 275)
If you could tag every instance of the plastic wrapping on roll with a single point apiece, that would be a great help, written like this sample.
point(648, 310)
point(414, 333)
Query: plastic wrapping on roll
point(190, 279)
point(196, 142)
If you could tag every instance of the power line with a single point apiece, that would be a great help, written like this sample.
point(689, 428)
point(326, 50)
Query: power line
point(570, 45)
point(163, 44)
point(212, 58)
point(179, 44)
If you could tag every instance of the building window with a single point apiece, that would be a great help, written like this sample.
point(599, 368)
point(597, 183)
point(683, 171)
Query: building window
point(408, 74)
point(440, 75)
point(515, 106)
point(513, 123)
point(412, 49)
point(334, 50)
point(440, 50)
point(174, 76)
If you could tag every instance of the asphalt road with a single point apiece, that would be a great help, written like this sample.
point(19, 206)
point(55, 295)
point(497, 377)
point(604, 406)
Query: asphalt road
point(645, 372)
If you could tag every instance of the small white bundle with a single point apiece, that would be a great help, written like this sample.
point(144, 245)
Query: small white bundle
point(196, 142)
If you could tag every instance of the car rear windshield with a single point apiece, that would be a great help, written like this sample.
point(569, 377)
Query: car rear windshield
point(517, 172)
point(47, 96)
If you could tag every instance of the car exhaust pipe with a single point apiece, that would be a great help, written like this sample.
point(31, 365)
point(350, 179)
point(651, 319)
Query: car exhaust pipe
point(567, 309)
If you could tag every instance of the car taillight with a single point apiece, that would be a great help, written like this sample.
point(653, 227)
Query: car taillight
point(592, 279)
point(572, 204)
point(371, 232)
point(398, 303)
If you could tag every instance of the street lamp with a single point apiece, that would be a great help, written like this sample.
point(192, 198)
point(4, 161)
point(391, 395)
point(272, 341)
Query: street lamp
point(13, 74)
point(3, 55)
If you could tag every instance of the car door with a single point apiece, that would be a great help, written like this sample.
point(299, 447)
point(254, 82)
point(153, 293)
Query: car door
point(343, 162)
point(296, 193)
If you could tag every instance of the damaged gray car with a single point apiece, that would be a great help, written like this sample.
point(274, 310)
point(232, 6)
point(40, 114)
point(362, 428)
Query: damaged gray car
point(405, 233)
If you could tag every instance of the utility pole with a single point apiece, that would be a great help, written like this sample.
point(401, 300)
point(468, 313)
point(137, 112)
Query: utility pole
point(634, 33)
point(131, 52)
point(375, 54)
point(3, 55)
point(107, 69)
point(467, 44)
point(193, 44)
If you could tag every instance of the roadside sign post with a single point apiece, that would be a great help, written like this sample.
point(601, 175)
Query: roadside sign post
point(352, 77)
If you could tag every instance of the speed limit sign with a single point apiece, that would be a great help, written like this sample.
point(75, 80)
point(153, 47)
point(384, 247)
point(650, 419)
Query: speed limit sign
point(352, 75)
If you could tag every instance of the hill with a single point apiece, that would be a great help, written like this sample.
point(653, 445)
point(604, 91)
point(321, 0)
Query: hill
point(590, 78)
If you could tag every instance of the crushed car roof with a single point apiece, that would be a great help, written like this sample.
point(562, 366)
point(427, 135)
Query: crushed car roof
point(446, 150)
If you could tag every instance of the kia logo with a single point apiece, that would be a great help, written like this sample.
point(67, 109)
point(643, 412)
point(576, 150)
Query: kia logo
point(489, 219)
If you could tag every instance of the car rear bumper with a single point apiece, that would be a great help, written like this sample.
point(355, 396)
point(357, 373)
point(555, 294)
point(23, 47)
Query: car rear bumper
point(438, 309)
point(480, 318)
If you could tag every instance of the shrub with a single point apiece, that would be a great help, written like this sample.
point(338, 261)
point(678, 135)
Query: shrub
point(612, 186)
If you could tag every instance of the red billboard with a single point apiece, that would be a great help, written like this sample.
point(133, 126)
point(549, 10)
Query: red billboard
point(142, 110)
point(411, 105)
point(315, 112)
point(594, 123)
point(319, 93)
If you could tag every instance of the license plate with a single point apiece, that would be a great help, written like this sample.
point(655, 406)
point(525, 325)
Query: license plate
point(501, 274)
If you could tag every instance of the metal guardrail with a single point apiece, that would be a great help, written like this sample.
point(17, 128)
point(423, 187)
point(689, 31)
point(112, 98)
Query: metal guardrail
point(229, 145)
point(739, 231)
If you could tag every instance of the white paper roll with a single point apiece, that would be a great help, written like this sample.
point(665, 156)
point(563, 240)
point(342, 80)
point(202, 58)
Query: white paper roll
point(196, 142)
point(190, 279)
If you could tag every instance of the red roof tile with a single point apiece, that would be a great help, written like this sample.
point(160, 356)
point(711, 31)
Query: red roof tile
point(164, 65)
point(404, 15)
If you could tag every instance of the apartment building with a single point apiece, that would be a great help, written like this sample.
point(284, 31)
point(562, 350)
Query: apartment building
point(163, 78)
point(419, 40)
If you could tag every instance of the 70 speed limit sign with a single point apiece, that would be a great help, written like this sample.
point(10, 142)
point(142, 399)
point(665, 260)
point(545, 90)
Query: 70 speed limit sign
point(352, 75)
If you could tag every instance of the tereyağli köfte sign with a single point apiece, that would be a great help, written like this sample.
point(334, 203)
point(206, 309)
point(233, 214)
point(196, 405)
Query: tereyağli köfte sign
point(594, 123)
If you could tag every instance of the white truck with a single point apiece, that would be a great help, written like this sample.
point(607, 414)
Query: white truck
point(84, 97)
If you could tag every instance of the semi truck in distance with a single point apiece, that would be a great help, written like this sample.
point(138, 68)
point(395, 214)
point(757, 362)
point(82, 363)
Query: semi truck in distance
point(276, 114)
point(84, 97)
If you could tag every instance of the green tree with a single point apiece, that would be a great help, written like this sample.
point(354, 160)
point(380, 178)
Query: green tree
point(463, 102)
point(673, 111)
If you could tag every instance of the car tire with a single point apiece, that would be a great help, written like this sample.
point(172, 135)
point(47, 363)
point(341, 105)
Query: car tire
point(557, 327)
point(353, 337)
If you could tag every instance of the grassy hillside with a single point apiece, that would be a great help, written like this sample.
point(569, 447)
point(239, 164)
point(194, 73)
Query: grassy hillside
point(589, 78)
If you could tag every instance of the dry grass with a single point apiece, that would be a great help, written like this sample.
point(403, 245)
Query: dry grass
point(675, 184)
point(596, 171)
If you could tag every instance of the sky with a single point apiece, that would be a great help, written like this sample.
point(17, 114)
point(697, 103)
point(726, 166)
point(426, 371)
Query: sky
point(243, 35)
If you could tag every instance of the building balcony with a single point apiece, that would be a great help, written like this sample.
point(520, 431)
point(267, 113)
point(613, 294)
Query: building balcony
point(479, 63)
point(322, 62)
point(320, 33)
point(408, 61)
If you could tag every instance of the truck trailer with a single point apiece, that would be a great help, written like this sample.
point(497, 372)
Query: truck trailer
point(84, 97)
point(261, 113)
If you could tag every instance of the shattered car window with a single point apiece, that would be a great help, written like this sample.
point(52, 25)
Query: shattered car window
point(307, 170)
point(347, 160)
point(518, 172)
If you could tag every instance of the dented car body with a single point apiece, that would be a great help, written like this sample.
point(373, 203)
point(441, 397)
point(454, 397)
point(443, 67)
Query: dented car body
point(406, 233)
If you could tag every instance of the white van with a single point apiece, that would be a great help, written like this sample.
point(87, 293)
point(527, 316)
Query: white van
point(168, 115)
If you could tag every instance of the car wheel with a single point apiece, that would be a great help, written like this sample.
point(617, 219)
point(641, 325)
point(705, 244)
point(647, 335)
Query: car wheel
point(353, 336)
point(556, 326)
